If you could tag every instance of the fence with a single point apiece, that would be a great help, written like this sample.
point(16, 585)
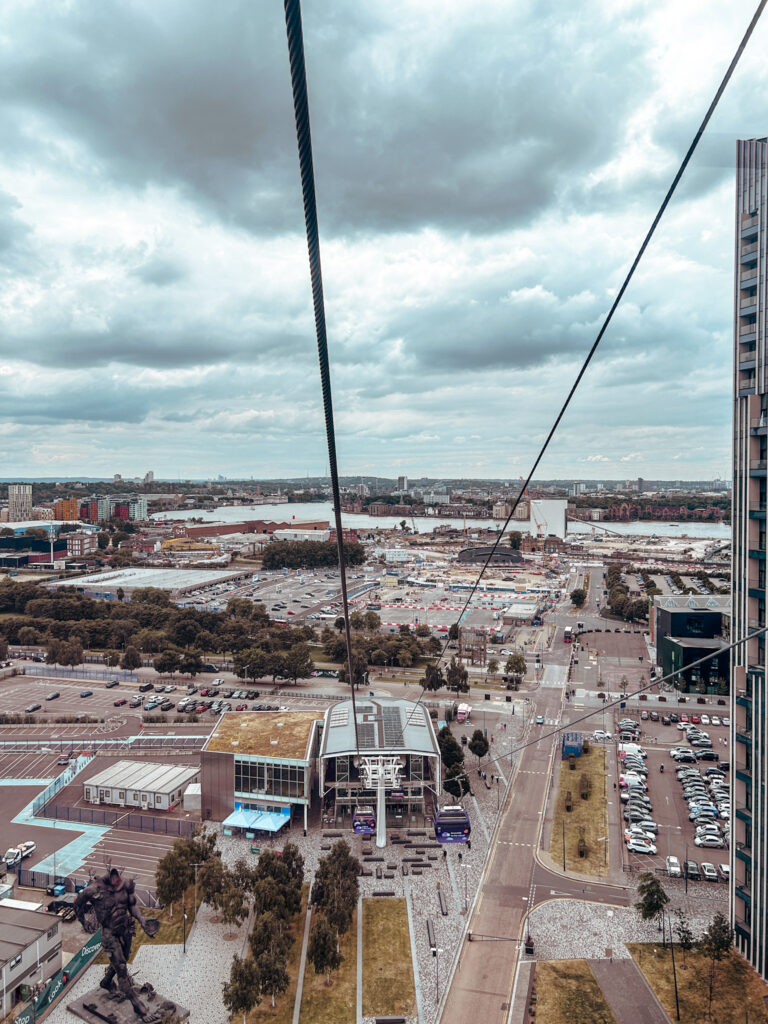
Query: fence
point(73, 883)
point(136, 822)
point(60, 979)
point(60, 782)
point(126, 744)
point(59, 672)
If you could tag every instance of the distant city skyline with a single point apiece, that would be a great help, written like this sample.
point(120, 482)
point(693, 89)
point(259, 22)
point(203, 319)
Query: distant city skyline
point(474, 229)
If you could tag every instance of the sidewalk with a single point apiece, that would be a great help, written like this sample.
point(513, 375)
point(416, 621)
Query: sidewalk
point(627, 992)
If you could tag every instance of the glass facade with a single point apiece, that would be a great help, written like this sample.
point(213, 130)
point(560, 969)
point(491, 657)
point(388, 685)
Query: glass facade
point(749, 737)
point(254, 777)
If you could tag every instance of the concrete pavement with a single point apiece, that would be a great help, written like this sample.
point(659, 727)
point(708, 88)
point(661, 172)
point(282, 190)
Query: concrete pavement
point(627, 993)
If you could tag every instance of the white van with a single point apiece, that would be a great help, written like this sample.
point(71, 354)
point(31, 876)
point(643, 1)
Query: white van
point(631, 748)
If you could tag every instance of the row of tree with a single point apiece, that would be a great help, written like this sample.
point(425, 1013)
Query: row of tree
point(310, 554)
point(619, 601)
point(715, 942)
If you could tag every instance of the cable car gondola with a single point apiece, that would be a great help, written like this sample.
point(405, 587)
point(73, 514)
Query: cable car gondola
point(364, 821)
point(452, 825)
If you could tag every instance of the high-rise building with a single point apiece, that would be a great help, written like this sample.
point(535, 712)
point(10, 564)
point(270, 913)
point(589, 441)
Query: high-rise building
point(67, 509)
point(749, 667)
point(19, 502)
point(402, 484)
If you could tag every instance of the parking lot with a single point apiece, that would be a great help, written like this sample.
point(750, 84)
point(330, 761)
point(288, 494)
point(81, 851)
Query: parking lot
point(676, 833)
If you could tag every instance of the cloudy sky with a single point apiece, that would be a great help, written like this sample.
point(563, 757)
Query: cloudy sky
point(485, 174)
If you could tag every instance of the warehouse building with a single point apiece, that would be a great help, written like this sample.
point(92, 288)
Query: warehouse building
point(151, 787)
point(30, 952)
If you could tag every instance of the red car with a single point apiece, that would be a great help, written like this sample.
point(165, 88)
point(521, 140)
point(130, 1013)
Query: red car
point(241, 707)
point(683, 718)
point(119, 703)
point(200, 709)
point(204, 693)
point(696, 719)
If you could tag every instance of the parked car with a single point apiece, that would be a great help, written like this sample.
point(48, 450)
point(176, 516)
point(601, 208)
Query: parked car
point(86, 693)
point(119, 703)
point(673, 867)
point(712, 842)
point(724, 870)
point(31, 708)
point(53, 696)
point(113, 682)
point(640, 846)
point(691, 870)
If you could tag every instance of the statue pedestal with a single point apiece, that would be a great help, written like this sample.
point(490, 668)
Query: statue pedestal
point(101, 1007)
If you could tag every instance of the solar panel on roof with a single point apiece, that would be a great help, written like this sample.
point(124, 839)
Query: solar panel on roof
point(392, 724)
point(365, 709)
point(366, 734)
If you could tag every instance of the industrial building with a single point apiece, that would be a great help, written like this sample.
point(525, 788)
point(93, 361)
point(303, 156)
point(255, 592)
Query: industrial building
point(150, 787)
point(176, 581)
point(262, 763)
point(30, 952)
point(386, 727)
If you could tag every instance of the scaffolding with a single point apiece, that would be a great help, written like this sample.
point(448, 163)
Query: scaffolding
point(473, 646)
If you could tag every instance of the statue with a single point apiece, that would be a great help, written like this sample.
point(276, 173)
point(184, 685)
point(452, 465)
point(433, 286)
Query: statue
point(111, 900)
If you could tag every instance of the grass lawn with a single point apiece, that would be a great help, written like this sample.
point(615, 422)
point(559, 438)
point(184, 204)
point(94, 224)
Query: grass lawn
point(283, 1011)
point(737, 988)
point(387, 967)
point(334, 1005)
point(568, 992)
point(587, 819)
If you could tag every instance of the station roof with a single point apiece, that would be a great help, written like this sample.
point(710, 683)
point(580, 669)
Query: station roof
point(274, 734)
point(149, 777)
point(384, 725)
point(162, 579)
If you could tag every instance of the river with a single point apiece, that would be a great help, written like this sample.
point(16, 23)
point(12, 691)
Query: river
point(323, 510)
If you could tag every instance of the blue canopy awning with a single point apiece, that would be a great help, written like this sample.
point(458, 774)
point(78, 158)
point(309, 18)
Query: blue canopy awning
point(239, 819)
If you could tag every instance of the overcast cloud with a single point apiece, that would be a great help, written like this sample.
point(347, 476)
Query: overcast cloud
point(485, 174)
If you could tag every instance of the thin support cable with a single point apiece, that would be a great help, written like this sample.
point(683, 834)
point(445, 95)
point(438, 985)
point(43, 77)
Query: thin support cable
point(304, 139)
point(609, 317)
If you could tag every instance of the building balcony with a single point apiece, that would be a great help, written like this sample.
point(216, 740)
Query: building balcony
point(750, 334)
point(743, 701)
point(758, 463)
point(743, 893)
point(753, 625)
point(747, 364)
point(747, 386)
point(749, 280)
point(748, 308)
point(749, 253)
point(757, 510)
point(758, 427)
point(749, 226)
point(743, 736)
point(757, 554)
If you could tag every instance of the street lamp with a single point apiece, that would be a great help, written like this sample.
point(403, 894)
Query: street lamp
point(184, 925)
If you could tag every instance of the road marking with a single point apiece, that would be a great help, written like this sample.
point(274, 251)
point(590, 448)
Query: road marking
point(556, 892)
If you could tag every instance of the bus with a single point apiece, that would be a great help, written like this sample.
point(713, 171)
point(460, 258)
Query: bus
point(463, 713)
point(568, 634)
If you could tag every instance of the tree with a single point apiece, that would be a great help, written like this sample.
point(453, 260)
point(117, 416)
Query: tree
point(684, 934)
point(170, 877)
point(578, 597)
point(191, 664)
point(716, 943)
point(372, 622)
point(3, 648)
point(243, 990)
point(232, 902)
point(516, 667)
point(167, 663)
point(119, 593)
point(112, 658)
point(359, 668)
point(211, 879)
point(450, 751)
point(433, 678)
point(272, 974)
point(335, 889)
point(515, 540)
point(493, 666)
point(455, 781)
point(453, 631)
point(322, 951)
point(339, 624)
point(478, 745)
point(298, 662)
point(102, 539)
point(653, 898)
point(456, 677)
point(131, 659)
